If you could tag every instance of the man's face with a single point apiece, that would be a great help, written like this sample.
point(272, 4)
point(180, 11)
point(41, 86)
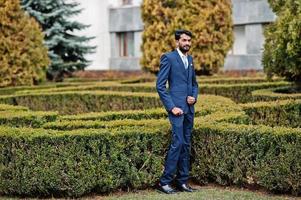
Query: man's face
point(184, 43)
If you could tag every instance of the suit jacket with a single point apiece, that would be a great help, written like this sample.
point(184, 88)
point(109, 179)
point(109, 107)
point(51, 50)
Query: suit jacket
point(182, 82)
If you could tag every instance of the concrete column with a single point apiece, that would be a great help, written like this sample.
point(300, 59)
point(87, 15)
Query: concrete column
point(254, 38)
point(137, 43)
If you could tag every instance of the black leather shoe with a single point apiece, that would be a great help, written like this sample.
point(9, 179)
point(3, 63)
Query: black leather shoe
point(166, 189)
point(185, 188)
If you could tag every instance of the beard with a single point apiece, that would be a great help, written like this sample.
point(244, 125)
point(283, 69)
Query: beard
point(184, 49)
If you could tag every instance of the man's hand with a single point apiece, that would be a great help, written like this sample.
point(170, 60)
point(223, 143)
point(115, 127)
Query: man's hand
point(177, 111)
point(190, 100)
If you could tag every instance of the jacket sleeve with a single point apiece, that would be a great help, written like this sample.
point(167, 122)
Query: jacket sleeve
point(195, 86)
point(161, 83)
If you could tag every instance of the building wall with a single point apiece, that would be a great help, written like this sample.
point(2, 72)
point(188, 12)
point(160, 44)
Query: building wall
point(111, 20)
point(249, 17)
point(96, 14)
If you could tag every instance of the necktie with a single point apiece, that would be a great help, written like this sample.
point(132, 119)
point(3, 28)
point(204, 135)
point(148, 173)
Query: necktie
point(185, 62)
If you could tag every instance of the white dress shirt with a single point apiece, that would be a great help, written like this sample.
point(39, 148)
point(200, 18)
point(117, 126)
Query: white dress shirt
point(183, 57)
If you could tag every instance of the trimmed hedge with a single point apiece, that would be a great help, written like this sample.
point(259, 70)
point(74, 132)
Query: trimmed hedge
point(87, 124)
point(45, 162)
point(272, 94)
point(4, 107)
point(236, 80)
point(275, 113)
point(13, 90)
point(21, 118)
point(248, 155)
point(125, 149)
point(84, 101)
point(238, 92)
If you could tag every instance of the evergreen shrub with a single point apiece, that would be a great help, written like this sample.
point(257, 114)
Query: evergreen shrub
point(275, 113)
point(23, 57)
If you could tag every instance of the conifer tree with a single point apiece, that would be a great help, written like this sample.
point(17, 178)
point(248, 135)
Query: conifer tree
point(23, 56)
point(282, 49)
point(67, 50)
point(209, 21)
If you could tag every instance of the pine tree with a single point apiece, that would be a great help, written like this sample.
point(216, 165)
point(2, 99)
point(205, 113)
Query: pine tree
point(66, 49)
point(209, 21)
point(23, 57)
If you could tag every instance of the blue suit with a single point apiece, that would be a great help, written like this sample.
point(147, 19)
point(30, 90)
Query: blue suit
point(182, 83)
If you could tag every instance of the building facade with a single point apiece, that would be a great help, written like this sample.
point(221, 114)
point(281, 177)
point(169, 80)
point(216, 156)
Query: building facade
point(117, 26)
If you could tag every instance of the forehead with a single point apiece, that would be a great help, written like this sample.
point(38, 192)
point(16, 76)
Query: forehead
point(184, 36)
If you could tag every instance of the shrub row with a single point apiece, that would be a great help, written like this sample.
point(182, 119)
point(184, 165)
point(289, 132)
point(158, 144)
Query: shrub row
point(43, 162)
point(17, 118)
point(273, 94)
point(84, 101)
point(13, 90)
point(133, 121)
point(237, 92)
point(4, 107)
point(275, 113)
point(72, 163)
point(234, 80)
point(248, 155)
point(207, 105)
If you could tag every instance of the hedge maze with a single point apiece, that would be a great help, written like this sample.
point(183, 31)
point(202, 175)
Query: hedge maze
point(75, 138)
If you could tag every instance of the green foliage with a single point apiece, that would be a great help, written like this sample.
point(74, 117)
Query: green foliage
point(67, 50)
point(79, 102)
point(74, 163)
point(277, 5)
point(237, 92)
point(246, 154)
point(276, 113)
point(209, 21)
point(17, 118)
point(282, 49)
point(273, 94)
point(23, 57)
point(73, 155)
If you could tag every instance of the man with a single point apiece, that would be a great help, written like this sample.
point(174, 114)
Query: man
point(177, 69)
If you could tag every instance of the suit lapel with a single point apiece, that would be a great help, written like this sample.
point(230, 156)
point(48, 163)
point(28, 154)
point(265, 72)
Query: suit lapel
point(179, 59)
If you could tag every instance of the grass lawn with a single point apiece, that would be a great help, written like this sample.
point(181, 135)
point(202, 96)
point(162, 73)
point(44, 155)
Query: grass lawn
point(203, 193)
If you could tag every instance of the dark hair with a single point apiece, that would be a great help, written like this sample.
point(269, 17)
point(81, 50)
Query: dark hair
point(179, 32)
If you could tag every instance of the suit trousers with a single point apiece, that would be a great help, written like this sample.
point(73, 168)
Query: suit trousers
point(177, 161)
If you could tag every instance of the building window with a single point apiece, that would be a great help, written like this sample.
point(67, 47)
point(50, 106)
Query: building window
point(127, 2)
point(240, 44)
point(125, 44)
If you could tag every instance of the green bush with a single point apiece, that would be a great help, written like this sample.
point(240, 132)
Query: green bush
point(276, 113)
point(84, 101)
point(72, 163)
point(125, 149)
point(234, 80)
point(238, 92)
point(43, 162)
point(272, 94)
point(209, 108)
point(248, 155)
point(17, 118)
point(282, 47)
point(23, 56)
point(209, 21)
point(6, 107)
